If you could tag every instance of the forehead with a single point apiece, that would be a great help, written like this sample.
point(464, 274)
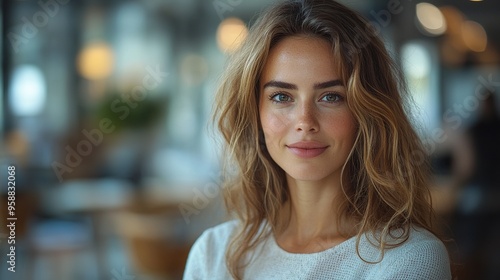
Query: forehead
point(299, 58)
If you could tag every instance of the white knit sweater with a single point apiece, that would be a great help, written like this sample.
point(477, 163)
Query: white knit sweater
point(422, 256)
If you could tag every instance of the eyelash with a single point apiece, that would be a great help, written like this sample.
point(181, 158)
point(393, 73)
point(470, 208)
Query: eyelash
point(272, 97)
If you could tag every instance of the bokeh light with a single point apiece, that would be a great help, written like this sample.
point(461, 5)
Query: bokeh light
point(431, 19)
point(230, 34)
point(95, 61)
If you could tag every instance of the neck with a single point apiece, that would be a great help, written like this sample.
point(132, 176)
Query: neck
point(313, 216)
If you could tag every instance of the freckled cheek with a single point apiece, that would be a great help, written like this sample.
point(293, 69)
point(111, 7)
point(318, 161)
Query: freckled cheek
point(274, 126)
point(342, 126)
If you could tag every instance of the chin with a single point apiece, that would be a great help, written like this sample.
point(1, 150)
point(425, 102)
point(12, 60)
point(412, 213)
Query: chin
point(307, 176)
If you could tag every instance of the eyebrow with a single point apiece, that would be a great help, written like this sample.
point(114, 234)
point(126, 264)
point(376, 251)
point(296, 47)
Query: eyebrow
point(328, 84)
point(279, 84)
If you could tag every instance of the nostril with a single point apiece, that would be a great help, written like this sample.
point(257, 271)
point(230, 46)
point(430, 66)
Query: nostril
point(310, 126)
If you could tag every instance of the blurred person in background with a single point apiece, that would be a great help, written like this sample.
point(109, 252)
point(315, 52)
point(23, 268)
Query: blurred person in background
point(477, 221)
point(331, 179)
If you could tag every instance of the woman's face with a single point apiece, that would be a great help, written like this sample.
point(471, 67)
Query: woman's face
point(308, 128)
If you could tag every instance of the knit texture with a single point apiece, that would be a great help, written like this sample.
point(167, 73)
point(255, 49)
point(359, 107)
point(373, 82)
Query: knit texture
point(422, 256)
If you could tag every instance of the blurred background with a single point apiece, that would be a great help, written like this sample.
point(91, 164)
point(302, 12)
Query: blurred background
point(105, 128)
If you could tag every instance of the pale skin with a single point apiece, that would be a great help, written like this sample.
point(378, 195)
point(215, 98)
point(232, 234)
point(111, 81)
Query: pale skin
point(309, 132)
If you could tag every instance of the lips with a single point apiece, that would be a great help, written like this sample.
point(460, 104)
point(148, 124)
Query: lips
point(307, 149)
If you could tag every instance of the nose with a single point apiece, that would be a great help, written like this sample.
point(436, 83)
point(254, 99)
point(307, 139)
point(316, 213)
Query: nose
point(307, 120)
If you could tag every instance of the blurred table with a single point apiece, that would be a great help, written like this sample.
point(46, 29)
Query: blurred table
point(91, 198)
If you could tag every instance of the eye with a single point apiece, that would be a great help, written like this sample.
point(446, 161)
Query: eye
point(332, 98)
point(280, 97)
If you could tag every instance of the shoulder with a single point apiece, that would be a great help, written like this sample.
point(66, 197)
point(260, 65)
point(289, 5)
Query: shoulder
point(220, 233)
point(423, 241)
point(207, 256)
point(422, 256)
point(215, 239)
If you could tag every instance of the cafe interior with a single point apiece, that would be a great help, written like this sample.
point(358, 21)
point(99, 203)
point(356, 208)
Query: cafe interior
point(107, 132)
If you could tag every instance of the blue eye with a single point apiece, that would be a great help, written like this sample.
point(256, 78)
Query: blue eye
point(332, 98)
point(280, 98)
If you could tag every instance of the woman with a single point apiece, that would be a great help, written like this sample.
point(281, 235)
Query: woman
point(330, 180)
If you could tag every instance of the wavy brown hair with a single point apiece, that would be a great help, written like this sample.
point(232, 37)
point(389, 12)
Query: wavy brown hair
point(385, 178)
